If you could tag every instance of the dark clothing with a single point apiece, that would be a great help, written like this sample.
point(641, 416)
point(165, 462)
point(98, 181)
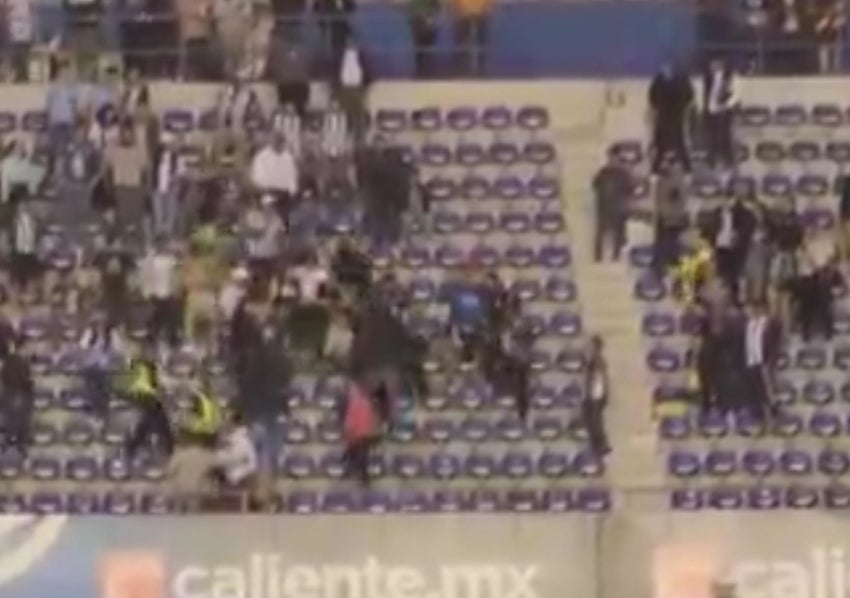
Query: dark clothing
point(670, 98)
point(814, 302)
point(165, 320)
point(17, 402)
point(356, 458)
point(334, 26)
point(730, 258)
point(613, 188)
point(719, 140)
point(423, 32)
point(153, 423)
point(471, 34)
point(596, 384)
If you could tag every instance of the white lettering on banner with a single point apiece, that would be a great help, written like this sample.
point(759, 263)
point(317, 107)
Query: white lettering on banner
point(824, 574)
point(264, 576)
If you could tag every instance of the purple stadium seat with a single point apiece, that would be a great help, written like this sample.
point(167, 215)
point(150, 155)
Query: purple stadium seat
point(827, 115)
point(758, 462)
point(563, 323)
point(543, 187)
point(521, 501)
point(332, 465)
point(659, 324)
point(475, 187)
point(833, 462)
point(674, 428)
point(338, 501)
point(46, 503)
point(547, 428)
point(447, 223)
point(503, 153)
point(764, 497)
point(496, 118)
point(479, 222)
point(177, 120)
point(804, 151)
point(559, 290)
point(485, 256)
point(800, 497)
point(837, 497)
point(440, 188)
point(426, 119)
point(748, 425)
point(662, 359)
point(818, 392)
point(538, 152)
point(587, 464)
point(787, 425)
point(713, 424)
point(826, 425)
point(519, 256)
point(754, 116)
point(795, 462)
point(726, 498)
point(687, 499)
point(438, 430)
point(44, 468)
point(509, 429)
point(119, 503)
point(449, 256)
point(515, 222)
point(593, 500)
point(390, 121)
point(777, 185)
point(812, 185)
point(553, 465)
point(433, 154)
point(79, 433)
point(548, 222)
point(649, 288)
point(479, 466)
point(448, 501)
point(462, 118)
point(526, 290)
point(297, 466)
point(770, 152)
point(470, 154)
point(554, 257)
point(532, 118)
point(443, 466)
point(838, 151)
point(508, 187)
point(721, 463)
point(558, 500)
point(82, 503)
point(790, 115)
point(407, 466)
point(413, 501)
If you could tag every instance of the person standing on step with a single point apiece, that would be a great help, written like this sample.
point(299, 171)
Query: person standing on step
point(595, 397)
point(671, 98)
point(613, 187)
point(721, 99)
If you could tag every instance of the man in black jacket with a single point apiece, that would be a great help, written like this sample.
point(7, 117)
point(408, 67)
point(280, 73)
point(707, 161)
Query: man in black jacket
point(17, 402)
point(671, 98)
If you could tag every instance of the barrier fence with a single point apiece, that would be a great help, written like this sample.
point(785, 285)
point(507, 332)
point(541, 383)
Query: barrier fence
point(637, 555)
point(546, 38)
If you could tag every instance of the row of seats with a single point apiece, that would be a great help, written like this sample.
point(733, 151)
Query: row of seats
point(461, 118)
point(768, 151)
point(592, 500)
point(770, 186)
point(760, 497)
point(820, 424)
point(502, 186)
point(446, 255)
point(481, 223)
point(757, 462)
point(668, 359)
point(503, 153)
point(81, 432)
point(794, 115)
point(331, 465)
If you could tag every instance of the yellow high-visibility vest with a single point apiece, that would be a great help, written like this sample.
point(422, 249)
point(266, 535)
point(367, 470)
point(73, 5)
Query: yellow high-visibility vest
point(141, 382)
point(208, 419)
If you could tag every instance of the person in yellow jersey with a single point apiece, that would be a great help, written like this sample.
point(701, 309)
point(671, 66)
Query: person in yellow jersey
point(143, 389)
point(690, 272)
point(205, 420)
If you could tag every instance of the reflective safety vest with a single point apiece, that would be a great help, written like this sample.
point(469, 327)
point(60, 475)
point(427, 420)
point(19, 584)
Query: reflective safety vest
point(208, 418)
point(141, 382)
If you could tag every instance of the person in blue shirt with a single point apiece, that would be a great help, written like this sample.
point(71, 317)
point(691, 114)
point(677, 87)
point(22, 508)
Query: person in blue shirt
point(467, 316)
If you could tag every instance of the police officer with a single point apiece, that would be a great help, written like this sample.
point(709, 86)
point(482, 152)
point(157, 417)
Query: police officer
point(153, 421)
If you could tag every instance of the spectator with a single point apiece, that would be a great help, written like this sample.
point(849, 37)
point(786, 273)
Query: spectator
point(827, 20)
point(127, 159)
point(721, 99)
point(786, 234)
point(671, 99)
point(596, 394)
point(159, 285)
point(237, 463)
point(232, 26)
point(730, 230)
point(25, 267)
point(114, 268)
point(63, 108)
point(84, 18)
point(21, 26)
point(818, 277)
point(289, 68)
point(153, 424)
point(233, 292)
point(289, 18)
point(195, 25)
point(335, 134)
point(275, 172)
point(134, 97)
point(422, 19)
point(671, 218)
point(202, 277)
point(334, 26)
point(467, 316)
point(263, 229)
point(352, 83)
point(613, 188)
point(312, 279)
point(166, 196)
point(360, 428)
point(17, 404)
point(691, 273)
point(844, 218)
point(106, 93)
point(288, 124)
point(100, 343)
point(472, 23)
point(761, 349)
point(18, 169)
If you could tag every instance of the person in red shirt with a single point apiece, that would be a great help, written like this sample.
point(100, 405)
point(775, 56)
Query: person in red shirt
point(360, 430)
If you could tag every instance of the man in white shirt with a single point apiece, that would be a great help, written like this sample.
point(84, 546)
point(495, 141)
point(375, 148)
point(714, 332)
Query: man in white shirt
point(312, 277)
point(721, 98)
point(237, 457)
point(159, 285)
point(761, 344)
point(274, 171)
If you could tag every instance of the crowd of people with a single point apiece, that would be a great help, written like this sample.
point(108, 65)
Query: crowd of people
point(749, 272)
point(249, 252)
